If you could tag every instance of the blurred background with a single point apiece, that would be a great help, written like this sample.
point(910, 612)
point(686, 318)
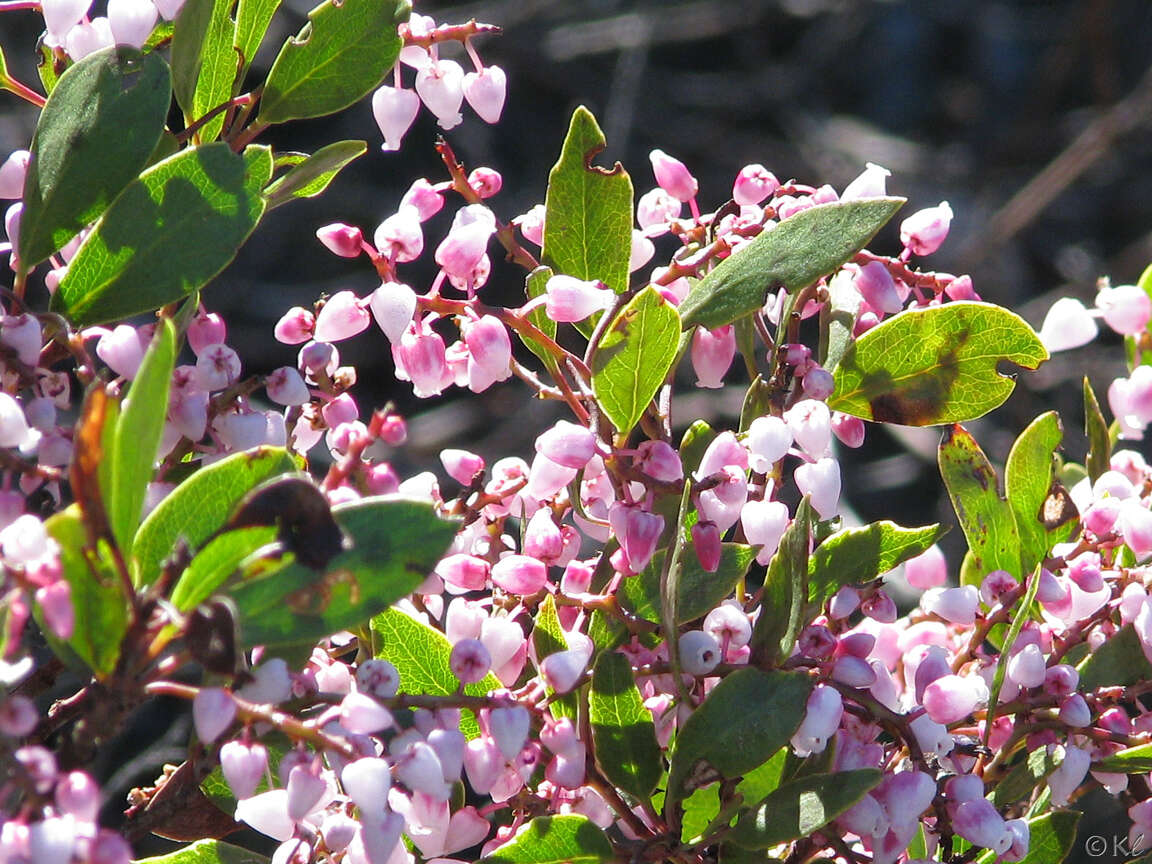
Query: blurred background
point(1032, 118)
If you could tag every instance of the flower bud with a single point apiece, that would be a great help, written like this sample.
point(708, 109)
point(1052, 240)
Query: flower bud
point(822, 714)
point(955, 605)
point(563, 670)
point(1026, 667)
point(753, 184)
point(520, 574)
point(870, 184)
point(363, 715)
point(79, 795)
point(673, 176)
point(706, 542)
point(950, 698)
point(424, 197)
point(660, 461)
point(567, 444)
point(924, 231)
point(1074, 711)
point(485, 182)
point(1126, 308)
point(978, 822)
point(340, 239)
point(570, 299)
point(295, 326)
point(878, 288)
point(485, 91)
point(637, 531)
point(699, 652)
point(1067, 325)
point(400, 237)
point(55, 602)
point(22, 333)
point(122, 349)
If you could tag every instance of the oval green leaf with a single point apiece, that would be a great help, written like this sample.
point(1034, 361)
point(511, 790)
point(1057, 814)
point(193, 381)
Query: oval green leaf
point(420, 654)
point(312, 175)
point(934, 365)
point(196, 509)
point(95, 134)
point(985, 517)
point(101, 610)
point(785, 595)
point(1118, 662)
point(802, 807)
point(588, 210)
point(568, 839)
point(341, 55)
point(167, 234)
point(252, 20)
point(634, 357)
point(794, 254)
point(216, 562)
point(207, 852)
point(856, 555)
point(699, 591)
point(623, 734)
point(204, 63)
point(745, 719)
point(137, 436)
point(1043, 509)
point(391, 545)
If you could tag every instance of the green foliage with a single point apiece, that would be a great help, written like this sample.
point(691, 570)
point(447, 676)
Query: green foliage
point(588, 210)
point(1130, 760)
point(623, 734)
point(207, 852)
point(391, 546)
point(1043, 510)
point(934, 365)
point(1096, 430)
point(252, 20)
point(136, 437)
point(310, 175)
point(1050, 839)
point(699, 591)
point(793, 255)
point(199, 506)
point(204, 63)
point(94, 136)
point(420, 654)
point(785, 591)
point(569, 839)
point(216, 562)
point(1118, 662)
point(168, 233)
point(853, 556)
point(745, 719)
point(1018, 783)
point(339, 57)
point(801, 807)
point(634, 357)
point(99, 605)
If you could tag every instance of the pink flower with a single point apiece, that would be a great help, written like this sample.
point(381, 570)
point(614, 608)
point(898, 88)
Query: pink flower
point(673, 176)
point(656, 207)
point(440, 85)
point(567, 444)
point(951, 698)
point(284, 386)
point(570, 299)
point(637, 531)
point(753, 184)
point(395, 109)
point(924, 231)
point(489, 352)
point(424, 197)
point(243, 766)
point(820, 480)
point(485, 91)
point(342, 317)
point(470, 661)
point(878, 288)
point(460, 252)
point(122, 349)
point(712, 353)
point(870, 184)
point(1126, 308)
point(400, 237)
point(14, 168)
point(520, 574)
point(213, 710)
point(131, 21)
point(1067, 325)
point(295, 326)
point(927, 570)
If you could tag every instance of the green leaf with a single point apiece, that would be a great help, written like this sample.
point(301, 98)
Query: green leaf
point(700, 591)
point(339, 57)
point(802, 807)
point(1131, 760)
point(934, 365)
point(420, 654)
point(1029, 476)
point(252, 20)
point(623, 734)
point(785, 591)
point(137, 436)
point(745, 719)
point(760, 782)
point(167, 234)
point(700, 809)
point(607, 632)
point(548, 638)
point(634, 357)
point(216, 562)
point(984, 516)
point(207, 852)
point(199, 506)
point(49, 68)
point(391, 546)
point(94, 136)
point(1096, 430)
point(204, 63)
point(1023, 613)
point(534, 286)
point(311, 176)
point(802, 248)
point(588, 210)
point(568, 839)
point(1051, 838)
point(99, 606)
point(1118, 662)
point(856, 555)
point(837, 319)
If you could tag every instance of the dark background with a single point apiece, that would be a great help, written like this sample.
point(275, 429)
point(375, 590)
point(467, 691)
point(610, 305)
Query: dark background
point(1030, 118)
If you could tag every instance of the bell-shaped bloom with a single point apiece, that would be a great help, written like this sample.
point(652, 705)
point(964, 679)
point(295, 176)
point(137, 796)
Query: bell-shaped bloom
point(400, 237)
point(699, 652)
point(768, 441)
point(1126, 308)
point(822, 714)
point(1067, 325)
point(1069, 774)
point(485, 91)
point(470, 661)
point(810, 422)
point(122, 350)
point(955, 605)
point(509, 729)
point(712, 353)
point(441, 87)
point(870, 184)
point(532, 224)
point(637, 531)
point(243, 766)
point(131, 21)
point(978, 822)
point(660, 461)
point(927, 570)
point(570, 299)
point(951, 698)
point(59, 18)
point(489, 352)
point(217, 367)
point(424, 197)
point(393, 306)
point(753, 184)
point(728, 624)
point(567, 444)
point(520, 574)
point(394, 109)
point(284, 386)
point(420, 358)
point(562, 670)
point(655, 207)
point(378, 678)
point(820, 480)
point(213, 710)
point(342, 317)
point(764, 523)
point(295, 326)
point(360, 714)
point(673, 176)
point(460, 252)
point(706, 542)
point(875, 284)
point(924, 231)
point(14, 168)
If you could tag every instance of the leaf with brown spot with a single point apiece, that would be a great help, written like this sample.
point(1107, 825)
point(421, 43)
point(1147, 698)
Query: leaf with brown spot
point(934, 365)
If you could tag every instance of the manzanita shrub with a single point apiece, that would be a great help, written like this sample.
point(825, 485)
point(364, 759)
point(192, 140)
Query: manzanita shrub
point(651, 640)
